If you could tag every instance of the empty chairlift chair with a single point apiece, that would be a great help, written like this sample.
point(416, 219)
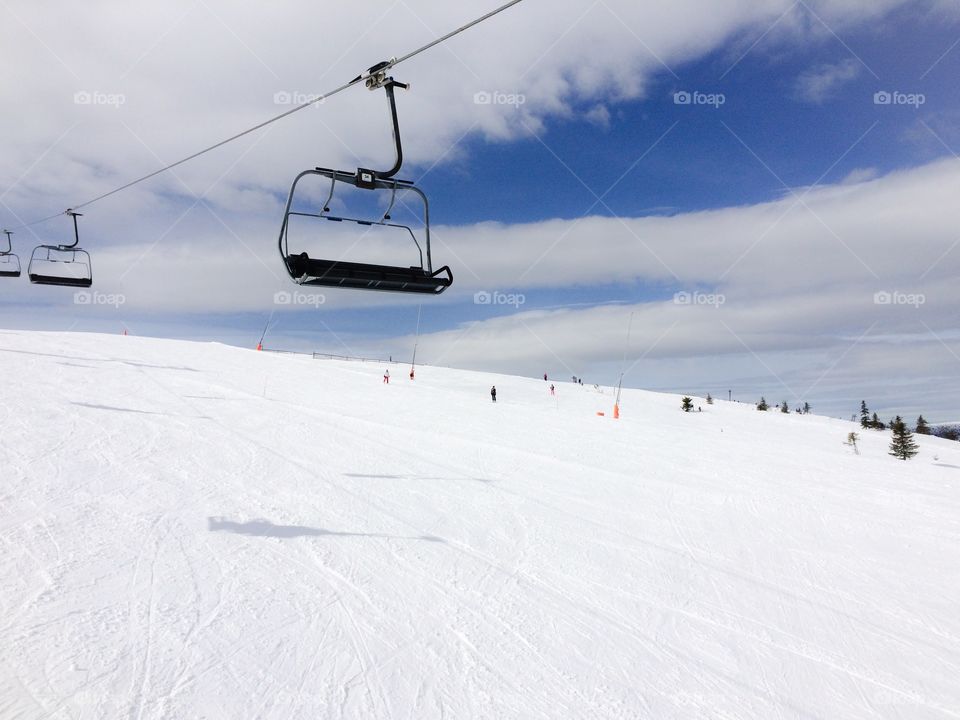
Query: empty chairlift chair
point(9, 263)
point(313, 271)
point(64, 265)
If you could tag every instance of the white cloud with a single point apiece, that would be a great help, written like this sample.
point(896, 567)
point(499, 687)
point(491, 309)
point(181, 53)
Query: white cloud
point(599, 115)
point(823, 82)
point(209, 69)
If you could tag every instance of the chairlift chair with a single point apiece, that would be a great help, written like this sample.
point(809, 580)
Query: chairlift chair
point(419, 278)
point(63, 265)
point(9, 263)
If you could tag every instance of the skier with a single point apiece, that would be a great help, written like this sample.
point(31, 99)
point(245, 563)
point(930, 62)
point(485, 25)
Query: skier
point(552, 389)
point(386, 376)
point(411, 373)
point(544, 377)
point(493, 393)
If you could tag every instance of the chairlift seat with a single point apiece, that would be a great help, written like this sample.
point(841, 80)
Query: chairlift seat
point(364, 276)
point(81, 282)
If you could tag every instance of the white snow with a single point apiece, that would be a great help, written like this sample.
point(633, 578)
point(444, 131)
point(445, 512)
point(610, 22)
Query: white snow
point(199, 531)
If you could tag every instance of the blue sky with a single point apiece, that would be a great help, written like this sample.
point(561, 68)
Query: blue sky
point(700, 164)
point(798, 85)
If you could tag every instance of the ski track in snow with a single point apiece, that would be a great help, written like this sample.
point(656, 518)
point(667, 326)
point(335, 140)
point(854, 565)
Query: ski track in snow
point(183, 539)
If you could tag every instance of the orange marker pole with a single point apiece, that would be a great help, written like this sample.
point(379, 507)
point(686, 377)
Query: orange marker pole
point(616, 411)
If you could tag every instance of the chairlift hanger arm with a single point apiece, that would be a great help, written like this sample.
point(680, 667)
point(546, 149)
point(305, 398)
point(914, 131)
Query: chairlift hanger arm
point(377, 78)
point(76, 230)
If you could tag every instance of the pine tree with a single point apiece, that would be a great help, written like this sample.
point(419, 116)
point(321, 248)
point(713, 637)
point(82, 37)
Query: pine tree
point(687, 404)
point(902, 445)
point(784, 408)
point(709, 399)
point(922, 427)
point(876, 424)
point(762, 405)
point(864, 414)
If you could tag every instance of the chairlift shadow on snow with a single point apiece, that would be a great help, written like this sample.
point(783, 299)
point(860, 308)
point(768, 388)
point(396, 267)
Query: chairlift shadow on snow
point(95, 406)
point(955, 467)
point(53, 355)
point(265, 528)
point(157, 367)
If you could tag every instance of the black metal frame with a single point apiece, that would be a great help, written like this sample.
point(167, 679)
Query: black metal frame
point(78, 256)
point(305, 270)
point(7, 257)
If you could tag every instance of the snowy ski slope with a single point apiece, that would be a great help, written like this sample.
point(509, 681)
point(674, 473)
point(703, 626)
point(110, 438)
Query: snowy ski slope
point(199, 531)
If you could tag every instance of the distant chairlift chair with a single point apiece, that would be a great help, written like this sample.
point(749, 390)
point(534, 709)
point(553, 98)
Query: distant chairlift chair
point(9, 263)
point(64, 265)
point(306, 270)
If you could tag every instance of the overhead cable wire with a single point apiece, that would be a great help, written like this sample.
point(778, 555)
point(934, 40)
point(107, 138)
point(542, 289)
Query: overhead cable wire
point(393, 62)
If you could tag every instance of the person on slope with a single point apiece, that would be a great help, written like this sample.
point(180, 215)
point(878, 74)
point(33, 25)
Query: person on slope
point(553, 390)
point(493, 393)
point(386, 376)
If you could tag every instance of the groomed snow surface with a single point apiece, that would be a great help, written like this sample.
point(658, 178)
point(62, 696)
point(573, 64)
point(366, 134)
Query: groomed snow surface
point(200, 531)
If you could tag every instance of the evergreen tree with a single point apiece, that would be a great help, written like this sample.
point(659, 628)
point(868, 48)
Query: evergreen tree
point(922, 427)
point(762, 405)
point(687, 404)
point(876, 424)
point(902, 445)
point(864, 415)
point(709, 399)
point(784, 408)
